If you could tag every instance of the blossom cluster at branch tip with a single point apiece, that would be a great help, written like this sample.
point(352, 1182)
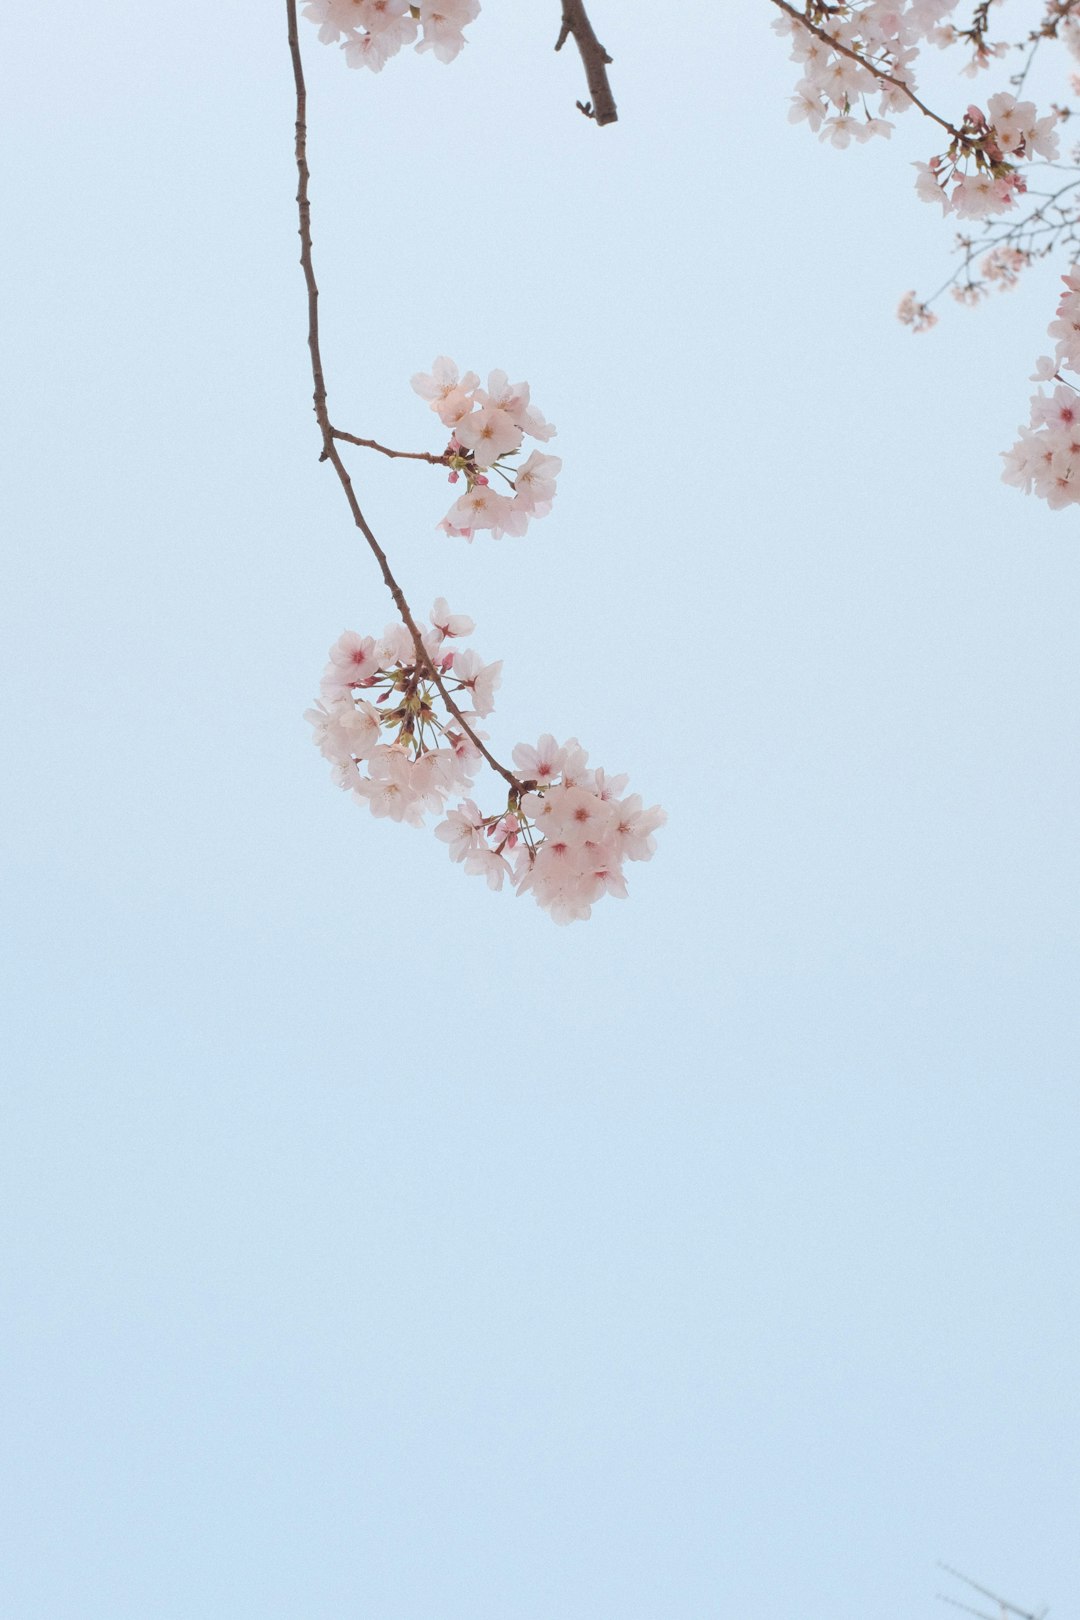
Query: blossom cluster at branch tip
point(565, 830)
point(981, 162)
point(910, 312)
point(875, 45)
point(878, 41)
point(1045, 460)
point(370, 32)
point(487, 429)
point(565, 840)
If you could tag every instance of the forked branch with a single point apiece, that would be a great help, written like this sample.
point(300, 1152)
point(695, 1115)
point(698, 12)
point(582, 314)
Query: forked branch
point(330, 451)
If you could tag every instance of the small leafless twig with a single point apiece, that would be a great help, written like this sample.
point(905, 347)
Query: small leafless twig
point(1005, 1608)
point(399, 455)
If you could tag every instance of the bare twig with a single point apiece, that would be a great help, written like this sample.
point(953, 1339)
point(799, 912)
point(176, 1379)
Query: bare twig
point(330, 450)
point(1005, 1607)
point(596, 61)
point(1036, 235)
point(401, 455)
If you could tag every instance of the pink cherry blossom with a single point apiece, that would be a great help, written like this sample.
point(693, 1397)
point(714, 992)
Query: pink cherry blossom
point(534, 485)
point(354, 656)
point(929, 187)
point(484, 508)
point(336, 19)
point(571, 815)
point(807, 104)
point(443, 22)
point(463, 830)
point(389, 789)
point(395, 646)
point(911, 312)
point(488, 863)
point(441, 380)
point(635, 826)
point(541, 764)
point(489, 433)
point(1045, 460)
point(447, 623)
point(480, 680)
point(344, 731)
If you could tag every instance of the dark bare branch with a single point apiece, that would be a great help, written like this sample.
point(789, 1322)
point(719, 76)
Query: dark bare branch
point(596, 61)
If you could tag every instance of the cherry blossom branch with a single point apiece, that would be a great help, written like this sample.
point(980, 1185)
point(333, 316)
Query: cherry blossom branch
point(330, 451)
point(596, 61)
point(879, 73)
point(1035, 236)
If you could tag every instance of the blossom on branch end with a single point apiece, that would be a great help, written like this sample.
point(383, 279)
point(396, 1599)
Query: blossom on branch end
point(488, 429)
point(384, 724)
point(910, 312)
point(566, 841)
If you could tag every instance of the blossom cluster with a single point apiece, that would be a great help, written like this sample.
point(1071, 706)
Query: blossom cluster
point(487, 429)
point(999, 268)
point(375, 689)
point(912, 312)
point(872, 38)
point(1007, 133)
point(866, 49)
point(383, 723)
point(565, 840)
point(1046, 457)
point(372, 31)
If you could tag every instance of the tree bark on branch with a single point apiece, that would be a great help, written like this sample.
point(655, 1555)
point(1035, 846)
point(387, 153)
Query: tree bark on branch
point(596, 61)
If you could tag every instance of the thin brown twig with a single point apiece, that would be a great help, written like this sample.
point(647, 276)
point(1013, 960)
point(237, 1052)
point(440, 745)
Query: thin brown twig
point(595, 60)
point(879, 73)
point(404, 455)
point(330, 450)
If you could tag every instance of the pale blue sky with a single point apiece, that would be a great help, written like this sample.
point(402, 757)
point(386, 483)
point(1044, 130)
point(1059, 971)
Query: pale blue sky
point(374, 1248)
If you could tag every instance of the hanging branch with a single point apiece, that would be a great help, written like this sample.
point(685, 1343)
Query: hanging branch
point(330, 435)
point(566, 829)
